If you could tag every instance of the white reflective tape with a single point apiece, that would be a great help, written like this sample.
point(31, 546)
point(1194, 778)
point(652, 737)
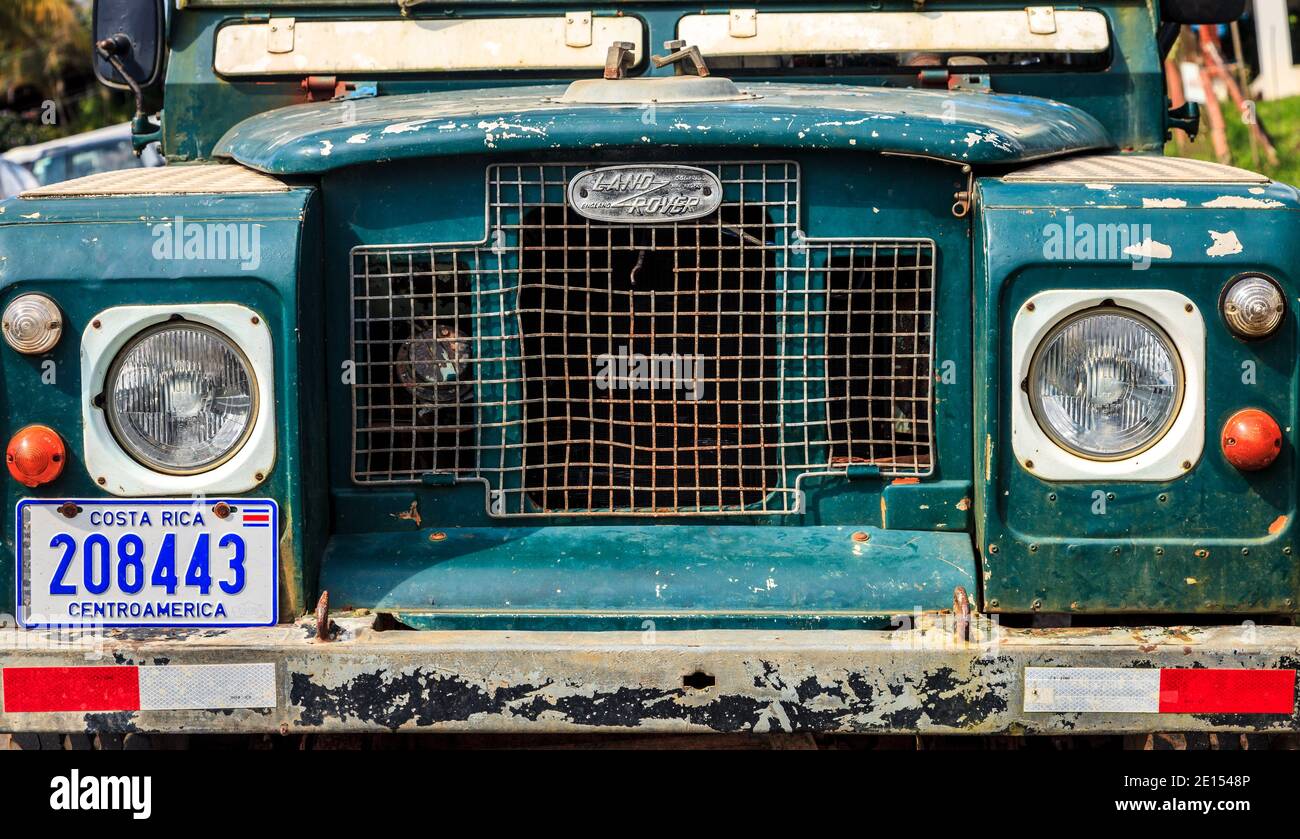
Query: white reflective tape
point(1120, 690)
point(200, 687)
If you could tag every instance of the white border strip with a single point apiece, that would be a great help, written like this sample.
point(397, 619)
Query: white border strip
point(201, 687)
point(1115, 690)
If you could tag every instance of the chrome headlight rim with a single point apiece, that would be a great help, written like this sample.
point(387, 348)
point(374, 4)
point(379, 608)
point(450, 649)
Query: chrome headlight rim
point(104, 400)
point(1106, 307)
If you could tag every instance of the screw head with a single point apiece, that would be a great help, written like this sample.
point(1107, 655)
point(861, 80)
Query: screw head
point(861, 536)
point(437, 536)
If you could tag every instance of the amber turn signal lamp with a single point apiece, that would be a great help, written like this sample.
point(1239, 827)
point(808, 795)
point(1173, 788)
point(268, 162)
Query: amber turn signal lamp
point(36, 455)
point(1251, 440)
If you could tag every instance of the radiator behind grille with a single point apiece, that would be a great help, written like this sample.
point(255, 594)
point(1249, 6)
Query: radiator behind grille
point(699, 367)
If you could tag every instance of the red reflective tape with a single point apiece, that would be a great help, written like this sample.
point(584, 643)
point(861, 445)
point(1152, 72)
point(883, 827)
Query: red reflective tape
point(1186, 691)
point(51, 689)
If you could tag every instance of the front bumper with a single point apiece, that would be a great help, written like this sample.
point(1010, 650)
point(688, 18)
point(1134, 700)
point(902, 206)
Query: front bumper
point(918, 680)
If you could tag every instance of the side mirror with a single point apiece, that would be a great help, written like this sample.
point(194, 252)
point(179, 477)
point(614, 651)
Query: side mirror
point(134, 34)
point(1201, 11)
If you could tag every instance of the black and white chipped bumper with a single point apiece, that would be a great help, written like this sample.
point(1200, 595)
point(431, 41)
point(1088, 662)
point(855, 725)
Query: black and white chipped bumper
point(916, 680)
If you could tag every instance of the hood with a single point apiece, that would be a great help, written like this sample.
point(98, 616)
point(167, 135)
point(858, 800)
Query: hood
point(959, 126)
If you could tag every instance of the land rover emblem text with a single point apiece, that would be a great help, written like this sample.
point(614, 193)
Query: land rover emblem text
point(645, 193)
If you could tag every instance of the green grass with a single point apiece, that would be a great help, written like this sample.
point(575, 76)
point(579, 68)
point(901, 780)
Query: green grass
point(1280, 118)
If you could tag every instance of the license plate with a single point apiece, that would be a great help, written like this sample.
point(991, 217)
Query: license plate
point(147, 562)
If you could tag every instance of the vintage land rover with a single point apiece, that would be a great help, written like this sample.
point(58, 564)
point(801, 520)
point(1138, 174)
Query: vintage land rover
point(479, 365)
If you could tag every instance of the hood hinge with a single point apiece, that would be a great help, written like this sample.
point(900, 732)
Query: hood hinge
point(1042, 20)
point(742, 23)
point(279, 34)
point(577, 29)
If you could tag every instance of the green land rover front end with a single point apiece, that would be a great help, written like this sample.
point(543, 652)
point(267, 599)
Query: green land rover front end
point(484, 366)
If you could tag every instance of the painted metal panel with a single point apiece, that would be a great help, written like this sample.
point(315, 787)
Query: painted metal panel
point(1215, 540)
point(789, 33)
point(412, 46)
point(617, 577)
point(962, 127)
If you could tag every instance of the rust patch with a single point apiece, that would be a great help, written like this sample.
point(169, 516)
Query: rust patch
point(963, 504)
point(413, 514)
point(898, 481)
point(1278, 525)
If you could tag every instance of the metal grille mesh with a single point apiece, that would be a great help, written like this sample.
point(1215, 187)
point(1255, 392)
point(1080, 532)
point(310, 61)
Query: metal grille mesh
point(698, 367)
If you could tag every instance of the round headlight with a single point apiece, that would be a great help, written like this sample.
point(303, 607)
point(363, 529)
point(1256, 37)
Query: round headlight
point(181, 398)
point(1106, 384)
point(1253, 307)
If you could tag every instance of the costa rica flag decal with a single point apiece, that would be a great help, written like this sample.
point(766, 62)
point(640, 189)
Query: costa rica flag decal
point(255, 516)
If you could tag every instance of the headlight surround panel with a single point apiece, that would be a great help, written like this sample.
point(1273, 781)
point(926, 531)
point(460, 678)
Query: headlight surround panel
point(1167, 453)
point(242, 467)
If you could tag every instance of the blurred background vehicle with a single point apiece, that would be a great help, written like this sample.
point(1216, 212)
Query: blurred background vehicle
point(48, 93)
point(14, 179)
point(101, 150)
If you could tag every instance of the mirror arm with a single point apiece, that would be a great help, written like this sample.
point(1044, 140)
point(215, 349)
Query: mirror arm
point(143, 132)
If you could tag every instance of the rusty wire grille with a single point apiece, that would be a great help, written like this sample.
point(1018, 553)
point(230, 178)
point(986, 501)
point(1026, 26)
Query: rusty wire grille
point(694, 368)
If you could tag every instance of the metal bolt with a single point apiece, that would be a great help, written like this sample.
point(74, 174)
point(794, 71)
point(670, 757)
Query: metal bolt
point(993, 549)
point(1037, 604)
point(1051, 496)
point(256, 320)
point(1029, 464)
point(1187, 464)
point(1187, 308)
point(101, 481)
point(1202, 553)
point(1110, 496)
point(993, 602)
point(1245, 551)
point(1287, 550)
point(259, 477)
point(96, 324)
point(1162, 498)
point(437, 536)
point(1033, 549)
point(323, 617)
point(1160, 551)
point(861, 536)
point(69, 509)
